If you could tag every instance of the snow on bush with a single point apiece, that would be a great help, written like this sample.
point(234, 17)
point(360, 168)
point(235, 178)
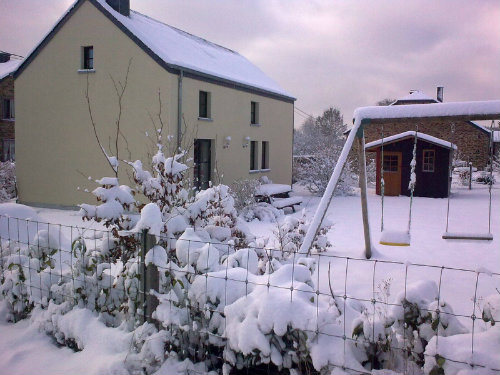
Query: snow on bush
point(397, 338)
point(7, 181)
point(243, 193)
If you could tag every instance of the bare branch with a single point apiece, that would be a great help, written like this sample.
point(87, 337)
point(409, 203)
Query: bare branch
point(89, 107)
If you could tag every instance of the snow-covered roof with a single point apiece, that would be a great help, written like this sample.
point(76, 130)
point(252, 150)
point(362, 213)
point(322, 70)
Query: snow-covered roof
point(9, 67)
point(181, 50)
point(479, 110)
point(411, 134)
point(416, 95)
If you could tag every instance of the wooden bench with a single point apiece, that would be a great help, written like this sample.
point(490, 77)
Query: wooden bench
point(281, 203)
point(278, 195)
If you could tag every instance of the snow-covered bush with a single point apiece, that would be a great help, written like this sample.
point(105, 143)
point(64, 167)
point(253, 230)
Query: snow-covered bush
point(289, 234)
point(397, 338)
point(213, 210)
point(243, 192)
point(485, 178)
point(317, 146)
point(452, 354)
point(7, 181)
point(27, 277)
point(116, 201)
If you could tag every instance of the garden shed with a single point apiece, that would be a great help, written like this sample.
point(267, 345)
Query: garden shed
point(432, 164)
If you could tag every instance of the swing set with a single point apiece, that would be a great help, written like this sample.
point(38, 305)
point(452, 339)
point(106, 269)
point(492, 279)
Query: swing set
point(471, 236)
point(365, 116)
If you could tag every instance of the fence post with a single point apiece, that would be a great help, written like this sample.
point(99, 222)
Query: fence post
point(470, 176)
point(150, 280)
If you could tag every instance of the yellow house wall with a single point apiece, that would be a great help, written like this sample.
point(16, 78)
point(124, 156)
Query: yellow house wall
point(56, 147)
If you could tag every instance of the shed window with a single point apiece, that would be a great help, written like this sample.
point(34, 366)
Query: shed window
point(88, 58)
point(428, 161)
point(390, 163)
point(204, 105)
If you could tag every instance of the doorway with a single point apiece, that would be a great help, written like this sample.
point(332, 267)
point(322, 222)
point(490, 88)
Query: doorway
point(392, 173)
point(202, 163)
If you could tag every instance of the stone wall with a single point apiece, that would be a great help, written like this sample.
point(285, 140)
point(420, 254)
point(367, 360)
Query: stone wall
point(472, 142)
point(6, 126)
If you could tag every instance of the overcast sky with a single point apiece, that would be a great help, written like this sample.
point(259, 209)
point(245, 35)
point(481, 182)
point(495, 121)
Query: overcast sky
point(326, 53)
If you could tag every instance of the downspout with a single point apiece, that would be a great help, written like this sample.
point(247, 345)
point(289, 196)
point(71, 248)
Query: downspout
point(179, 109)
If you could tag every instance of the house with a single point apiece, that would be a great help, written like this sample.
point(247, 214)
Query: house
point(8, 64)
point(432, 169)
point(225, 111)
point(472, 140)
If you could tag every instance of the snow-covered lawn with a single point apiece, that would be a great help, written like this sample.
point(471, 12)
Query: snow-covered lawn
point(24, 350)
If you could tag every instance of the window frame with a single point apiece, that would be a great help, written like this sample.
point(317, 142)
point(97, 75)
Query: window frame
point(8, 109)
point(87, 58)
point(254, 113)
point(206, 104)
point(254, 156)
point(428, 154)
point(390, 163)
point(265, 156)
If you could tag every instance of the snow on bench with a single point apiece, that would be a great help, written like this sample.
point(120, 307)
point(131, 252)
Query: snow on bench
point(269, 190)
point(287, 202)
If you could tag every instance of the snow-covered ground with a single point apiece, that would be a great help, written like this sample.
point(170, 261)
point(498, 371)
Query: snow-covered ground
point(24, 350)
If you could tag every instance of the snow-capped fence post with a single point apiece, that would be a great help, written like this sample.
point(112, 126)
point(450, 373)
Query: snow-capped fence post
point(150, 280)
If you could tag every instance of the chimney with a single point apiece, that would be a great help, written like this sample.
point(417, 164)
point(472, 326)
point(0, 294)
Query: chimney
point(4, 57)
point(439, 94)
point(121, 6)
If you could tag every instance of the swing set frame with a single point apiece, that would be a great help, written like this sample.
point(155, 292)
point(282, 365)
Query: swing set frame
point(365, 116)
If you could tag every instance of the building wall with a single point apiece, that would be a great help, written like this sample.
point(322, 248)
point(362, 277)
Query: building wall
point(7, 127)
point(56, 145)
point(472, 142)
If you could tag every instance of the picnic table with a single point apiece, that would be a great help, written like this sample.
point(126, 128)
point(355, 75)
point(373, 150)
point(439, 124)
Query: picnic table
point(278, 195)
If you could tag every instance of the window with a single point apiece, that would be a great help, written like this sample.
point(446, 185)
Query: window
point(8, 110)
point(8, 150)
point(428, 162)
point(204, 105)
point(390, 163)
point(254, 159)
point(254, 113)
point(265, 155)
point(88, 58)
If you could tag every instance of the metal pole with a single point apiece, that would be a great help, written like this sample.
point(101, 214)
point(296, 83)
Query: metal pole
point(179, 110)
point(364, 197)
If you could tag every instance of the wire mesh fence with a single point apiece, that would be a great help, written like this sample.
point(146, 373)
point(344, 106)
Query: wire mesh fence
point(253, 307)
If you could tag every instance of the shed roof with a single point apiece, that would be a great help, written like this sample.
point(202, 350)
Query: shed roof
point(178, 50)
point(407, 135)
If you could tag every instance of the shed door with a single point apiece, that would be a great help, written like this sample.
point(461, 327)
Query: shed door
point(392, 173)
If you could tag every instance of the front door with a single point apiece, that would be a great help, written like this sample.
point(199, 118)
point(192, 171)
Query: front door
point(202, 163)
point(392, 173)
